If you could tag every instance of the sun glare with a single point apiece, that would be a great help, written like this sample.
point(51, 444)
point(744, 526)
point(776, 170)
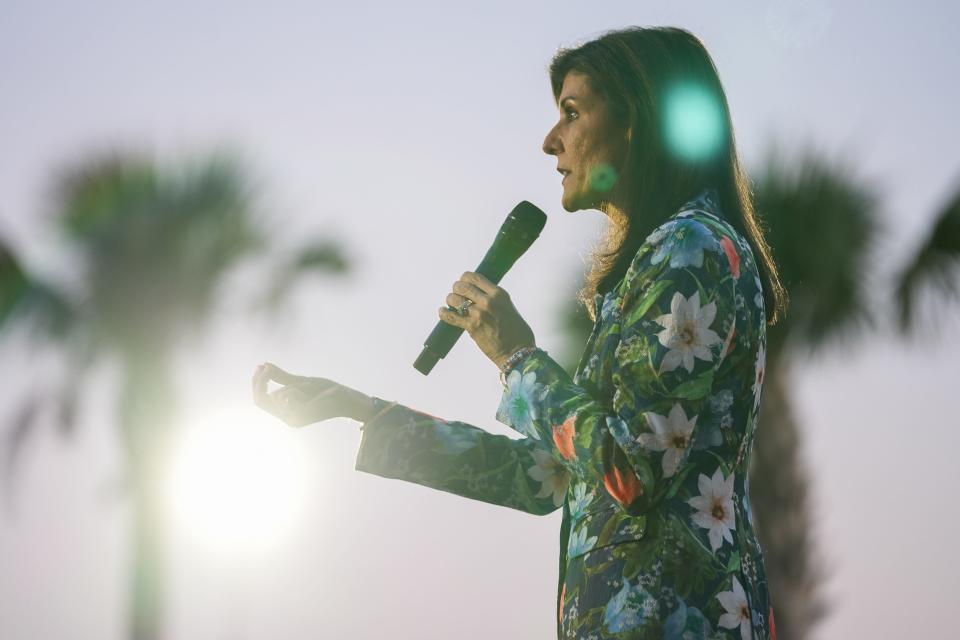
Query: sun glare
point(237, 481)
point(694, 122)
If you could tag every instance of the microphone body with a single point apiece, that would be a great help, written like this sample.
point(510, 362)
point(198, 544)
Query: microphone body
point(517, 233)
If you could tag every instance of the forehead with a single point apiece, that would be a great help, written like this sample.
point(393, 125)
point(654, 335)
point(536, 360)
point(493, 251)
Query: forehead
point(575, 85)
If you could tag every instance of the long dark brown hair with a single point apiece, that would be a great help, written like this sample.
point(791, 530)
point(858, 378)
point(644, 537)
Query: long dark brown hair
point(632, 70)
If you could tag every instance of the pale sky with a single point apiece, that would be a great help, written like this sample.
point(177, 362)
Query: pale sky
point(409, 130)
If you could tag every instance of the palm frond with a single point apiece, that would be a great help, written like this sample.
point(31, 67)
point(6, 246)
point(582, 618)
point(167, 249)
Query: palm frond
point(822, 222)
point(25, 299)
point(13, 282)
point(155, 238)
point(934, 265)
point(321, 256)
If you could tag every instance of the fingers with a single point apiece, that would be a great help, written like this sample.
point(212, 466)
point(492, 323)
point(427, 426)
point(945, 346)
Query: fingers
point(295, 403)
point(456, 299)
point(468, 290)
point(276, 373)
point(289, 395)
point(260, 387)
point(279, 399)
point(478, 281)
point(452, 317)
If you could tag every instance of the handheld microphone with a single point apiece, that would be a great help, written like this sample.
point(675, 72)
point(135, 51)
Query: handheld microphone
point(517, 233)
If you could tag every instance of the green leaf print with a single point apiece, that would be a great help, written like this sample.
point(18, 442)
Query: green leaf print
point(583, 436)
point(678, 482)
point(650, 297)
point(608, 530)
point(695, 389)
point(633, 566)
point(734, 563)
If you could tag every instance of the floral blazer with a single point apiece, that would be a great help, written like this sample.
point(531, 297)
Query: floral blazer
point(648, 443)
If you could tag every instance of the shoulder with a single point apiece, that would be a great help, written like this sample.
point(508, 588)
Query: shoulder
point(685, 239)
point(689, 244)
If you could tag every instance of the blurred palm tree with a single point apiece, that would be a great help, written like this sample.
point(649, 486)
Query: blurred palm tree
point(822, 224)
point(934, 265)
point(153, 246)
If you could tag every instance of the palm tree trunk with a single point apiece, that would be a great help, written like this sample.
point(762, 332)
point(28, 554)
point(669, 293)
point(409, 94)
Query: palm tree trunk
point(147, 578)
point(779, 496)
point(146, 409)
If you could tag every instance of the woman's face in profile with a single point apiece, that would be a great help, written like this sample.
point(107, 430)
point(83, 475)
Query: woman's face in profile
point(590, 150)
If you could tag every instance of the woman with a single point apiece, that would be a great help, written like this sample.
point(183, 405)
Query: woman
point(647, 447)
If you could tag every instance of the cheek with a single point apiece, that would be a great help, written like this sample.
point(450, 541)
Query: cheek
point(580, 149)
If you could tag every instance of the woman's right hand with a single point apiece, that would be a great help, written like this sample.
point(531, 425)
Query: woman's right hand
point(304, 400)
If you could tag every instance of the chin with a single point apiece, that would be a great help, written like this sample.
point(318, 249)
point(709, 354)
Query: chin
point(570, 203)
point(574, 203)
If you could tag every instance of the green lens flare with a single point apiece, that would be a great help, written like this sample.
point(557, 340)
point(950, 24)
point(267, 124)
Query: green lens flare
point(602, 177)
point(694, 122)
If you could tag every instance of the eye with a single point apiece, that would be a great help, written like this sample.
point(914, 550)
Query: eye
point(570, 113)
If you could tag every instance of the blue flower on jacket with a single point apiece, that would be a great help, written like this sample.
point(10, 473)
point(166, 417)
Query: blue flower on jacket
point(708, 435)
point(610, 302)
point(686, 622)
point(684, 241)
point(627, 440)
point(579, 543)
point(454, 439)
point(580, 501)
point(518, 405)
point(745, 500)
point(629, 608)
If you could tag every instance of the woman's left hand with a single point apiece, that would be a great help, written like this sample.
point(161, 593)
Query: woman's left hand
point(306, 399)
point(492, 320)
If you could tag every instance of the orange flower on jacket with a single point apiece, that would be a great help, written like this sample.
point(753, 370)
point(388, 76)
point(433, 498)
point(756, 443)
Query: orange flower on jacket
point(732, 257)
point(625, 488)
point(563, 437)
point(733, 334)
point(563, 592)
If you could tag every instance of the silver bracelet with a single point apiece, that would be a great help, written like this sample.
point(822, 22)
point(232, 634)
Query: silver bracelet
point(514, 360)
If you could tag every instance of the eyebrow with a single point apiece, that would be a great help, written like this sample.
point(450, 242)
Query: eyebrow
point(567, 98)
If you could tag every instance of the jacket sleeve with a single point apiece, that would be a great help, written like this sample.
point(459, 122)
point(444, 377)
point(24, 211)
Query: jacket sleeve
point(404, 444)
point(675, 324)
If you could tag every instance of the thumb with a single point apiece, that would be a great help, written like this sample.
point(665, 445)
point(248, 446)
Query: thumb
point(276, 373)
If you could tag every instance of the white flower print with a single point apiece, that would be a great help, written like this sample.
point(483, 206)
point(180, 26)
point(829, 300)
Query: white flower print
point(554, 478)
point(738, 611)
point(758, 297)
point(672, 434)
point(759, 368)
point(687, 331)
point(714, 507)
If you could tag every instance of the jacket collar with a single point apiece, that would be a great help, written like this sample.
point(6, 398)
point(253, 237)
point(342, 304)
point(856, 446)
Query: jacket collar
point(707, 200)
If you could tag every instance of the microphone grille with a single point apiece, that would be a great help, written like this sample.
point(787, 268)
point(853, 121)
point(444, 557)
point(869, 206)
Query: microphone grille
point(528, 217)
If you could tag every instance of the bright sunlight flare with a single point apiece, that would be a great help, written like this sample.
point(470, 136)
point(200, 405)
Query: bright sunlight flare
point(237, 480)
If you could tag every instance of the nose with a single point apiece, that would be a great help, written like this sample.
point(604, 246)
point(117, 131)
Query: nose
point(551, 143)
